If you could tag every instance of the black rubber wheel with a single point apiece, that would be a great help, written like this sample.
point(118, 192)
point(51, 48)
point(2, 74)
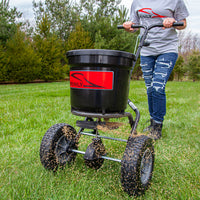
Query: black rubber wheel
point(55, 146)
point(137, 165)
point(95, 150)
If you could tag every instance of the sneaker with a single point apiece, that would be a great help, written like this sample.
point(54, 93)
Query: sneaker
point(156, 131)
point(149, 128)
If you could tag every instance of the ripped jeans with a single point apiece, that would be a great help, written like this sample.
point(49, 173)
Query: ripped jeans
point(156, 71)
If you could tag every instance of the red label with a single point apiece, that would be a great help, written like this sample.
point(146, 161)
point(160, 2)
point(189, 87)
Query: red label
point(98, 80)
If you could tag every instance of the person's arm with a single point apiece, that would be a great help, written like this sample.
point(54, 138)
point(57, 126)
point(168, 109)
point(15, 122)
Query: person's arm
point(168, 23)
point(182, 27)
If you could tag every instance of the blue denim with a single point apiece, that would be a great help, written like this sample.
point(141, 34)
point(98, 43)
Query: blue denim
point(156, 71)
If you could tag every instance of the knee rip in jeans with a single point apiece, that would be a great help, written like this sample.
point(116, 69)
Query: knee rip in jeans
point(160, 89)
point(161, 74)
point(147, 71)
point(145, 67)
point(148, 78)
point(167, 65)
point(144, 64)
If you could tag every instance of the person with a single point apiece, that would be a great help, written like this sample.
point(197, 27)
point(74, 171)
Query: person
point(158, 59)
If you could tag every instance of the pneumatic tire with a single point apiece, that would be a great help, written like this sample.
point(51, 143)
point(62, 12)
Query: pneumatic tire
point(137, 165)
point(55, 146)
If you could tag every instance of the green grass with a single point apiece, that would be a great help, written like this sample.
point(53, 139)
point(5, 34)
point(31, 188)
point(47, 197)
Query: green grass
point(28, 111)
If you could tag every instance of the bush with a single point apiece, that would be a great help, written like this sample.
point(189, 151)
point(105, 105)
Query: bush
point(51, 52)
point(179, 68)
point(22, 64)
point(79, 39)
point(3, 64)
point(194, 65)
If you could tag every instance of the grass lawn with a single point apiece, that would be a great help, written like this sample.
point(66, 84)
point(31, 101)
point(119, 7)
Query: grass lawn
point(28, 111)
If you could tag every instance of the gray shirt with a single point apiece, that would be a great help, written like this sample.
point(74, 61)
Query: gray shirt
point(148, 12)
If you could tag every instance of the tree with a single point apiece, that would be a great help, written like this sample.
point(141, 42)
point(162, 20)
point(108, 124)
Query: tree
point(43, 28)
point(51, 51)
point(8, 25)
point(99, 15)
point(62, 14)
point(23, 64)
point(194, 65)
point(101, 19)
point(137, 71)
point(3, 64)
point(188, 42)
point(179, 68)
point(100, 42)
point(79, 39)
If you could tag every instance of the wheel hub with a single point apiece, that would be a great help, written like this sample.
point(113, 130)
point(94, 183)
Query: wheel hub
point(62, 150)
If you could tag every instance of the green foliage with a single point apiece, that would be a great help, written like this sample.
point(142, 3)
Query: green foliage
point(100, 42)
point(171, 77)
point(23, 64)
point(194, 65)
point(61, 13)
point(123, 41)
point(109, 37)
point(7, 21)
point(179, 68)
point(104, 33)
point(137, 71)
point(101, 22)
point(51, 51)
point(3, 64)
point(79, 39)
point(44, 27)
point(100, 15)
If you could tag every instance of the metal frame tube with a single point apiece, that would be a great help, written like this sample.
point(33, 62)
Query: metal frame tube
point(137, 117)
point(104, 137)
point(104, 157)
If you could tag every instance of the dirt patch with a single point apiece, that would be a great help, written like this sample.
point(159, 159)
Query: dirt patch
point(110, 126)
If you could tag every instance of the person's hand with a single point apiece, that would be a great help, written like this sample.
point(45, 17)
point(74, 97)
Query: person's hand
point(127, 26)
point(168, 22)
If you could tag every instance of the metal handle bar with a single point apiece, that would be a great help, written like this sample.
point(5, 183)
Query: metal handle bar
point(152, 26)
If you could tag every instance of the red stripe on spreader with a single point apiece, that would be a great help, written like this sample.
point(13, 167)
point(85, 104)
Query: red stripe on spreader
point(99, 80)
